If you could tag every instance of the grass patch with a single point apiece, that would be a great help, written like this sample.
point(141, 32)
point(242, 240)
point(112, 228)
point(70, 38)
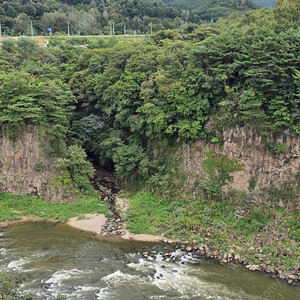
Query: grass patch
point(177, 218)
point(254, 223)
point(146, 213)
point(13, 207)
point(230, 223)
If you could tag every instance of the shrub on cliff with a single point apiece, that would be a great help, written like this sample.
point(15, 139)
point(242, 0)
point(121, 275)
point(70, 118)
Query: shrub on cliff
point(74, 169)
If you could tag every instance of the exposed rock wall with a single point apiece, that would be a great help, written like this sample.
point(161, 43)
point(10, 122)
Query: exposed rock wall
point(26, 169)
point(20, 162)
point(247, 147)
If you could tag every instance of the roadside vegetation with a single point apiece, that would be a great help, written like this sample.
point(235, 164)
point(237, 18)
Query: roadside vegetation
point(93, 17)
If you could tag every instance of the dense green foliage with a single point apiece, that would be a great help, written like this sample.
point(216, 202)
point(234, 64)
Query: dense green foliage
point(13, 207)
point(133, 98)
point(94, 16)
point(74, 169)
point(31, 92)
point(219, 171)
point(168, 87)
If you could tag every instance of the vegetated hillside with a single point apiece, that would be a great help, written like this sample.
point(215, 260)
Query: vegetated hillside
point(167, 87)
point(95, 17)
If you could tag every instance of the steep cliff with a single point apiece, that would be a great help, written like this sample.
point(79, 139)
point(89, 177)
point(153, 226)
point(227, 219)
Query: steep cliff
point(248, 148)
point(25, 167)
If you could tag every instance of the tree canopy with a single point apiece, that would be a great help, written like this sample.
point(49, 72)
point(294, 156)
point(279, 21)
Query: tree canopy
point(122, 100)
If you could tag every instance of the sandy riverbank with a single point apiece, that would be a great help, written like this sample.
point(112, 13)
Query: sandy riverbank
point(91, 223)
point(95, 222)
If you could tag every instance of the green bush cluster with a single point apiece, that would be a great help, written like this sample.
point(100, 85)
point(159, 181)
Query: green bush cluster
point(31, 92)
point(277, 148)
point(219, 171)
point(74, 169)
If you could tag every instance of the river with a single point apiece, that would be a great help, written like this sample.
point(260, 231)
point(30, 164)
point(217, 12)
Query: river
point(58, 259)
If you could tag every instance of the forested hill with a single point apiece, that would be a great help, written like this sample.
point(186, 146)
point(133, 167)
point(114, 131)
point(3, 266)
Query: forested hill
point(94, 16)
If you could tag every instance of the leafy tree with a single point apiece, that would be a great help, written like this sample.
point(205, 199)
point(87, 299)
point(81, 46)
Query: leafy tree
point(74, 166)
point(27, 101)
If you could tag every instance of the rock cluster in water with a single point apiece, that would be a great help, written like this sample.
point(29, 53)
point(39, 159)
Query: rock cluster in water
point(168, 256)
point(236, 260)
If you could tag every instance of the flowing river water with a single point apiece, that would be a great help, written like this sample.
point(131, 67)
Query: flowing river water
point(58, 259)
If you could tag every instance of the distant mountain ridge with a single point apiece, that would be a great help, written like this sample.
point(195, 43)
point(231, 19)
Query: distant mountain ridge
point(265, 3)
point(212, 10)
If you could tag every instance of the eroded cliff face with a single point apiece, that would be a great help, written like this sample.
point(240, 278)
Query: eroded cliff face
point(248, 148)
point(25, 168)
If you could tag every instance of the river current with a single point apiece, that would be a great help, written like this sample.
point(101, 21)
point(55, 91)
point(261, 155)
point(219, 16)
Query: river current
point(58, 259)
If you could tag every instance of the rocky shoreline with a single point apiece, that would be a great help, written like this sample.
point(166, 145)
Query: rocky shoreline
point(115, 226)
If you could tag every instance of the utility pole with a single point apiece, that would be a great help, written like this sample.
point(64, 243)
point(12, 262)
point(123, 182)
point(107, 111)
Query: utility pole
point(124, 30)
point(110, 28)
point(151, 32)
point(68, 28)
point(0, 29)
point(31, 29)
point(113, 27)
point(134, 36)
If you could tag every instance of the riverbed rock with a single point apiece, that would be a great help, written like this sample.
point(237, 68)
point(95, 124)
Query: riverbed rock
point(253, 267)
